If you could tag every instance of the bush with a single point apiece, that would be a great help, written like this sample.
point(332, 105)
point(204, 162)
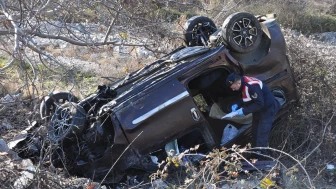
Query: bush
point(309, 133)
point(306, 16)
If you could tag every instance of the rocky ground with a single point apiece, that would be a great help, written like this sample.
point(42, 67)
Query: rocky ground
point(15, 111)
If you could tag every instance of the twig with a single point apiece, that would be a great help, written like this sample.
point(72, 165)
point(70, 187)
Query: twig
point(110, 27)
point(287, 154)
point(225, 9)
point(321, 142)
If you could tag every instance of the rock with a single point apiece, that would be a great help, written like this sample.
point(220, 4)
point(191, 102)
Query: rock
point(83, 51)
point(81, 28)
point(252, 183)
point(80, 182)
point(115, 49)
point(27, 164)
point(10, 98)
point(106, 54)
point(5, 124)
point(94, 57)
point(3, 146)
point(124, 50)
point(63, 45)
point(24, 180)
point(159, 184)
point(40, 43)
point(142, 52)
point(327, 37)
point(55, 45)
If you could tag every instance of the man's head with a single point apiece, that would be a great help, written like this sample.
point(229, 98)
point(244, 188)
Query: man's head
point(233, 81)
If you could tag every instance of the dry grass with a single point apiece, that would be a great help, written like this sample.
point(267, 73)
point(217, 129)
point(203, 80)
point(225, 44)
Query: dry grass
point(307, 16)
point(308, 132)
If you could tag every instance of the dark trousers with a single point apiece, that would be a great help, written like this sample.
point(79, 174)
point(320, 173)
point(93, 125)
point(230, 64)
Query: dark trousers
point(261, 129)
point(262, 125)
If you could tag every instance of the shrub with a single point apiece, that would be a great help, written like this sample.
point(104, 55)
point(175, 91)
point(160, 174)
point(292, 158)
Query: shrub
point(306, 16)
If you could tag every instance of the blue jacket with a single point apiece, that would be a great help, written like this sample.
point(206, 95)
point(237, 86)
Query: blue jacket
point(257, 98)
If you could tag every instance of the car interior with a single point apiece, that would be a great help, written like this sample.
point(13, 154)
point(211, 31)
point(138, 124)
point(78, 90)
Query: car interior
point(214, 100)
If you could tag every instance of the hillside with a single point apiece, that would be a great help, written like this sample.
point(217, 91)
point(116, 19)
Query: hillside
point(307, 135)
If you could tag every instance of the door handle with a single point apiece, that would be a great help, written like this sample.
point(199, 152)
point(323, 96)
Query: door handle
point(194, 114)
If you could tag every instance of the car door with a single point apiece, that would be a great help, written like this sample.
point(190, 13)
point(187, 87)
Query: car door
point(154, 119)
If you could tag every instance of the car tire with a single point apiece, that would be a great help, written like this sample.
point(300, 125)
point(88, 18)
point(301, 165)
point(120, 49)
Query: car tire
point(50, 103)
point(197, 31)
point(67, 122)
point(241, 32)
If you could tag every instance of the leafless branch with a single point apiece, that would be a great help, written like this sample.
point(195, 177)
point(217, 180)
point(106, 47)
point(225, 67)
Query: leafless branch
point(322, 137)
point(110, 27)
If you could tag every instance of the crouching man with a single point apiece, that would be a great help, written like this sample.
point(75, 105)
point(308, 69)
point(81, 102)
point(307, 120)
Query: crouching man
point(257, 99)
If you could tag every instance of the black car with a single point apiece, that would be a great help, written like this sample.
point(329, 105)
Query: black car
point(172, 104)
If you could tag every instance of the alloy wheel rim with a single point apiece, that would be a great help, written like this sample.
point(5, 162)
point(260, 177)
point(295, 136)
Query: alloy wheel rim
point(244, 33)
point(62, 125)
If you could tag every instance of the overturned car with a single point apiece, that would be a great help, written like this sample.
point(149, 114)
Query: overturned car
point(172, 104)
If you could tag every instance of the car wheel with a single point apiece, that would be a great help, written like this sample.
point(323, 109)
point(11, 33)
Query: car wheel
point(50, 103)
point(198, 30)
point(242, 32)
point(67, 122)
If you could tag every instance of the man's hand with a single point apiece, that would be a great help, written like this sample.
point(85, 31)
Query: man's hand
point(240, 111)
point(234, 107)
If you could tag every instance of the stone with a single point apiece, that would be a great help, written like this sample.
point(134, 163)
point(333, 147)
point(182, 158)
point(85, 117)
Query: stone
point(6, 125)
point(94, 57)
point(24, 180)
point(327, 37)
point(3, 146)
point(159, 184)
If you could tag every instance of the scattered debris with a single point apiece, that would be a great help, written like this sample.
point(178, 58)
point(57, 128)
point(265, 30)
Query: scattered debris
point(27, 144)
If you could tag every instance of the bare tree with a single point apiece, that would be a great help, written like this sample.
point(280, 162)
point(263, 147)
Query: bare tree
point(24, 22)
point(31, 30)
